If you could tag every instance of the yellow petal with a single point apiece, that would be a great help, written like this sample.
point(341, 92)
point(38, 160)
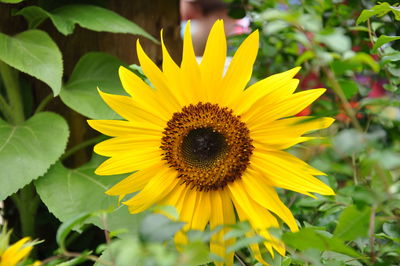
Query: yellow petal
point(127, 144)
point(158, 187)
point(213, 61)
point(277, 88)
point(170, 68)
point(202, 212)
point(243, 216)
point(260, 218)
point(284, 133)
point(240, 69)
point(267, 197)
point(16, 252)
point(143, 95)
point(263, 111)
point(129, 162)
point(115, 128)
point(176, 198)
point(190, 72)
point(156, 77)
point(244, 201)
point(173, 76)
point(287, 171)
point(126, 107)
point(221, 214)
point(135, 181)
point(188, 208)
point(256, 249)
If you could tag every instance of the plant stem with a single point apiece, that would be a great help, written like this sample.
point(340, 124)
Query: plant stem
point(354, 164)
point(81, 146)
point(371, 234)
point(27, 202)
point(240, 259)
point(10, 80)
point(44, 103)
point(77, 255)
point(5, 109)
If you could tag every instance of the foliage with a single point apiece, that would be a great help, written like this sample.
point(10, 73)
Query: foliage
point(350, 47)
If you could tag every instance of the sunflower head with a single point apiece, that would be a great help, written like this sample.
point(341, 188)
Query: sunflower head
point(207, 145)
point(198, 139)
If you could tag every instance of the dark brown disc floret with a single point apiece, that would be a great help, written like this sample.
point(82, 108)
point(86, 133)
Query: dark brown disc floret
point(208, 145)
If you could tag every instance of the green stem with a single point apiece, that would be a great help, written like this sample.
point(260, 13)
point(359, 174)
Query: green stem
point(44, 103)
point(81, 146)
point(371, 234)
point(10, 80)
point(5, 109)
point(27, 202)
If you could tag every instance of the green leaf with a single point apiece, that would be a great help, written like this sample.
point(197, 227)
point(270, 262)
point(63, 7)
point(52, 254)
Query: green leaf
point(359, 28)
point(67, 227)
point(76, 261)
point(34, 15)
point(354, 63)
point(29, 149)
point(335, 39)
point(390, 57)
point(350, 88)
point(87, 16)
point(245, 242)
point(349, 141)
point(309, 238)
point(81, 191)
point(157, 228)
point(353, 223)
point(382, 40)
point(307, 55)
point(11, 1)
point(391, 229)
point(381, 102)
point(379, 10)
point(365, 59)
point(123, 252)
point(80, 92)
point(35, 53)
point(197, 253)
point(330, 255)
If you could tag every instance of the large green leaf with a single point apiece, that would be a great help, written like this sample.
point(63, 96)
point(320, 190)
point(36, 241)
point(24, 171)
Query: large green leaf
point(309, 238)
point(87, 16)
point(80, 92)
point(29, 149)
point(34, 53)
point(353, 223)
point(69, 193)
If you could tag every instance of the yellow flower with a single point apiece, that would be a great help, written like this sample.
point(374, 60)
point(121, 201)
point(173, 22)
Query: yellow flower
point(204, 144)
point(16, 252)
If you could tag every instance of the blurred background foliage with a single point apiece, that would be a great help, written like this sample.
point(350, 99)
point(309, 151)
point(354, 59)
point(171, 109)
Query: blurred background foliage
point(53, 55)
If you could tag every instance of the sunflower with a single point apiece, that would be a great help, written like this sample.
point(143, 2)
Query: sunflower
point(201, 142)
point(17, 252)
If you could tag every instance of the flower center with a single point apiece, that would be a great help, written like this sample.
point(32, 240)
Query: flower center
point(208, 145)
point(201, 147)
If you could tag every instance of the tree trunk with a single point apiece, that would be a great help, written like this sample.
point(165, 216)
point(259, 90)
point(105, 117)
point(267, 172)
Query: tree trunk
point(151, 15)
